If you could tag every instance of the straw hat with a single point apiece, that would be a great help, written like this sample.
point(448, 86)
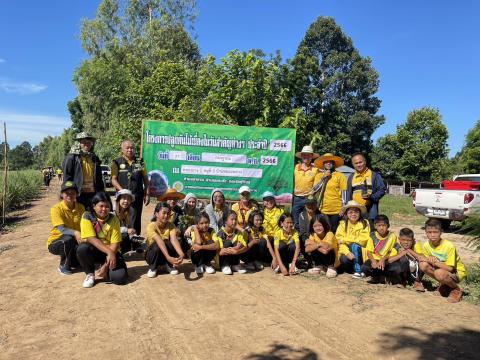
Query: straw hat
point(354, 204)
point(124, 192)
point(329, 157)
point(171, 194)
point(307, 149)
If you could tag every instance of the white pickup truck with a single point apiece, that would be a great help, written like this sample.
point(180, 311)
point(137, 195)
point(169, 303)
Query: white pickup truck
point(455, 201)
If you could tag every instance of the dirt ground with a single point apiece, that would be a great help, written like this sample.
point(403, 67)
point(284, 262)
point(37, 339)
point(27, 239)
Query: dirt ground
point(252, 316)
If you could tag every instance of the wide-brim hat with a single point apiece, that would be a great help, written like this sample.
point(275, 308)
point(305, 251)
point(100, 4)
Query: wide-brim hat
point(307, 149)
point(84, 135)
point(124, 192)
point(68, 185)
point(329, 157)
point(171, 194)
point(354, 204)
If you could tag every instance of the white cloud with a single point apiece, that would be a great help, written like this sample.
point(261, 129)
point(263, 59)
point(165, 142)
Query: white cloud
point(31, 127)
point(9, 86)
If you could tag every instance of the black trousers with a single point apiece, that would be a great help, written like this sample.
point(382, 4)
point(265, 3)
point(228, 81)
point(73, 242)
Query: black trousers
point(202, 257)
point(258, 252)
point(137, 207)
point(88, 255)
point(127, 244)
point(391, 270)
point(228, 260)
point(286, 251)
point(333, 220)
point(155, 257)
point(66, 247)
point(320, 259)
point(86, 200)
point(406, 273)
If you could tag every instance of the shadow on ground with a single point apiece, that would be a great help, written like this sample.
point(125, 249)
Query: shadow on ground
point(461, 343)
point(284, 352)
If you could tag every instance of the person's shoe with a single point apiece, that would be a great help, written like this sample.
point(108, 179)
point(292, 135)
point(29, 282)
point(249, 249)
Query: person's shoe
point(89, 280)
point(331, 273)
point(418, 286)
point(276, 270)
point(358, 275)
point(227, 270)
point(374, 280)
point(209, 269)
point(250, 266)
point(315, 271)
point(62, 269)
point(455, 295)
point(443, 290)
point(239, 268)
point(171, 270)
point(199, 269)
point(258, 265)
point(152, 273)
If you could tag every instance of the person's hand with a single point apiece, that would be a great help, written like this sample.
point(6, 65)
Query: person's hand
point(131, 232)
point(102, 272)
point(225, 251)
point(178, 261)
point(350, 256)
point(189, 230)
point(146, 199)
point(432, 260)
point(381, 264)
point(111, 260)
point(374, 264)
point(274, 264)
point(78, 237)
point(366, 196)
point(284, 270)
point(196, 247)
point(341, 213)
point(292, 269)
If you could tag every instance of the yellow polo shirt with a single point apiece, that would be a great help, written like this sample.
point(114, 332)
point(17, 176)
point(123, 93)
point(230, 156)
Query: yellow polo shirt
point(243, 214)
point(359, 181)
point(447, 254)
point(205, 237)
point(110, 233)
point(270, 222)
point(235, 237)
point(330, 239)
point(60, 214)
point(287, 239)
point(305, 179)
point(332, 198)
point(87, 170)
point(153, 229)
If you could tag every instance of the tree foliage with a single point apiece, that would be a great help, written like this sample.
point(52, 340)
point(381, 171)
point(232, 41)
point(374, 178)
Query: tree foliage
point(468, 159)
point(21, 156)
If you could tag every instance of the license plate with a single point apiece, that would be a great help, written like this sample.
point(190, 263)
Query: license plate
point(439, 212)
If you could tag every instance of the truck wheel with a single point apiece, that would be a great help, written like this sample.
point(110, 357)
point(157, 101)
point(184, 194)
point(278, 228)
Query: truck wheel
point(445, 224)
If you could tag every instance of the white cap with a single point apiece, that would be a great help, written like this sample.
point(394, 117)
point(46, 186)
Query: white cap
point(125, 192)
point(243, 189)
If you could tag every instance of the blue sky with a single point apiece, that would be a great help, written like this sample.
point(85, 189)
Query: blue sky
point(427, 53)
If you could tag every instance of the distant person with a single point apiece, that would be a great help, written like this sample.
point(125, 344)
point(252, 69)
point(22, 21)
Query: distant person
point(305, 177)
point(365, 186)
point(130, 172)
point(65, 234)
point(59, 174)
point(82, 167)
point(332, 188)
point(47, 176)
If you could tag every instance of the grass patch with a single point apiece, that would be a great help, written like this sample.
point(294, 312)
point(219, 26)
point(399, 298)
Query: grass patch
point(471, 284)
point(400, 210)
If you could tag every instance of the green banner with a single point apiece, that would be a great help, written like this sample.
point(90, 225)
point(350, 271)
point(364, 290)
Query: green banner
point(198, 158)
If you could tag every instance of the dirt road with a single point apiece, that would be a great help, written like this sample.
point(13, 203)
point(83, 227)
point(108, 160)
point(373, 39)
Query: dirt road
point(252, 316)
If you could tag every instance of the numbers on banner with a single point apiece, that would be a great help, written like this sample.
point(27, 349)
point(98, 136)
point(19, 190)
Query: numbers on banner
point(269, 160)
point(280, 145)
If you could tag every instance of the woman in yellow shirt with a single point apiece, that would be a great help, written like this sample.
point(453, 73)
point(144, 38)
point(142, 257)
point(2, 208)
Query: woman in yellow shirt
point(244, 207)
point(322, 246)
point(287, 246)
point(65, 234)
point(100, 232)
point(163, 245)
point(352, 236)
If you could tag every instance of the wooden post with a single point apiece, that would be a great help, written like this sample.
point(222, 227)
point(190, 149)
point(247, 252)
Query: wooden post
point(5, 173)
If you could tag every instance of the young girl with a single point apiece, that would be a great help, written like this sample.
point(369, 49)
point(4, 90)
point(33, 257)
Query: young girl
point(231, 244)
point(163, 247)
point(259, 249)
point(65, 234)
point(322, 246)
point(124, 199)
point(100, 231)
point(352, 236)
point(271, 213)
point(287, 246)
point(204, 248)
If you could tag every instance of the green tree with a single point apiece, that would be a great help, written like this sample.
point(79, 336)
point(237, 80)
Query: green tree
point(334, 86)
point(469, 157)
point(21, 156)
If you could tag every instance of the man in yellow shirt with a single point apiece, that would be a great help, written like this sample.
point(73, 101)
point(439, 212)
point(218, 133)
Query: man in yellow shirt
point(305, 177)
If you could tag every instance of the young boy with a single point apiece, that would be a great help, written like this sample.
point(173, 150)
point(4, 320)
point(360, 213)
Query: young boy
point(380, 246)
point(409, 255)
point(442, 262)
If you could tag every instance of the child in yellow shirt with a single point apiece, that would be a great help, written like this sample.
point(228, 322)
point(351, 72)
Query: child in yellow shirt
point(442, 262)
point(352, 236)
point(287, 246)
point(204, 248)
point(271, 213)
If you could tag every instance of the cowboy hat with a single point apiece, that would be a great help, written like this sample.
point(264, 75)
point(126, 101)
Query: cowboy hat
point(307, 149)
point(328, 157)
point(171, 194)
point(354, 204)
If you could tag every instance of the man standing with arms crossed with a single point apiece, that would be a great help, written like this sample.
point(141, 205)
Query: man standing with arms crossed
point(130, 173)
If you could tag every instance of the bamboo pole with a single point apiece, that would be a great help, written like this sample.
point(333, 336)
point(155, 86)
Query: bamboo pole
point(5, 173)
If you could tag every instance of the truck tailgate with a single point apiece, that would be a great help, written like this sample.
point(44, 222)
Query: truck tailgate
point(440, 202)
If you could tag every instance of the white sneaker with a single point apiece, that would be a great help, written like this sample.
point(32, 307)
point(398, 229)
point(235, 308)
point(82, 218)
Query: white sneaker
point(209, 269)
point(171, 270)
point(358, 275)
point(250, 266)
point(331, 273)
point(277, 269)
point(227, 270)
point(294, 271)
point(258, 265)
point(89, 280)
point(239, 268)
point(152, 273)
point(315, 271)
point(198, 269)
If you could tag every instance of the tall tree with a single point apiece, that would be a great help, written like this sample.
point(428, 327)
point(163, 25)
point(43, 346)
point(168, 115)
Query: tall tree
point(469, 157)
point(334, 86)
point(21, 156)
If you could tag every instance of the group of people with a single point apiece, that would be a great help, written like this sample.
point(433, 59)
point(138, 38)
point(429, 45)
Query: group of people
point(335, 226)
